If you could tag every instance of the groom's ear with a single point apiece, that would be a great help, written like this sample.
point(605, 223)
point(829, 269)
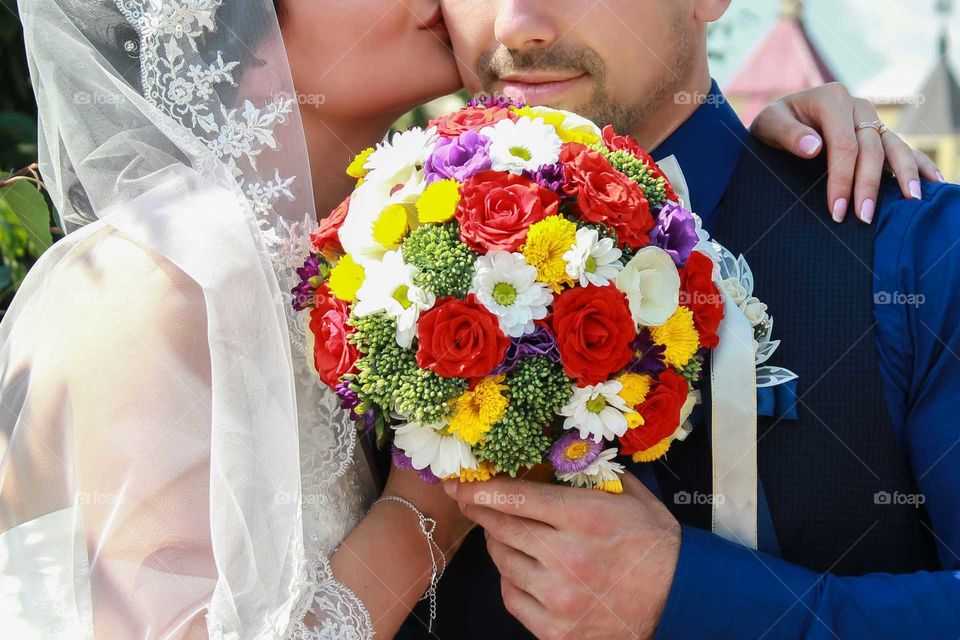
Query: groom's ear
point(710, 10)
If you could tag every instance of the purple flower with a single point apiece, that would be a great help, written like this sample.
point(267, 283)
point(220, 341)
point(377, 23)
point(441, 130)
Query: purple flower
point(549, 176)
point(571, 453)
point(303, 292)
point(538, 343)
point(648, 355)
point(402, 461)
point(349, 401)
point(675, 233)
point(458, 158)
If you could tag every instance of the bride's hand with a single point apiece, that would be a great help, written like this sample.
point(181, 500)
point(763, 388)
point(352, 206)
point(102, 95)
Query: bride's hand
point(432, 500)
point(856, 159)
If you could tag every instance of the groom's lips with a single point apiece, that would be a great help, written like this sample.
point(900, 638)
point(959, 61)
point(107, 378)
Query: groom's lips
point(540, 88)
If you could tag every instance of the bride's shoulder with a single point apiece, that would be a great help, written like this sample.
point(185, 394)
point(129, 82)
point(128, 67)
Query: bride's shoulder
point(111, 291)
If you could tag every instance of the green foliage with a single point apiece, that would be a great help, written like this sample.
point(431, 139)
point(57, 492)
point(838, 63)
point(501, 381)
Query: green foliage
point(24, 230)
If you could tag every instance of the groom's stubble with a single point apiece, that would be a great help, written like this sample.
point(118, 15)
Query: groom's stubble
point(602, 105)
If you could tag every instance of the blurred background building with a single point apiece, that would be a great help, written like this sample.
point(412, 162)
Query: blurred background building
point(921, 104)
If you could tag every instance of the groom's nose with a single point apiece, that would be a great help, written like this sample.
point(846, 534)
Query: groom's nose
point(522, 25)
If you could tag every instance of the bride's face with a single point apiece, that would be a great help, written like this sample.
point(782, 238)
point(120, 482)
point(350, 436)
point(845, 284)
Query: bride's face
point(358, 58)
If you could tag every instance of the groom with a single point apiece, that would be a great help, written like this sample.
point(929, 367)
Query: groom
point(859, 500)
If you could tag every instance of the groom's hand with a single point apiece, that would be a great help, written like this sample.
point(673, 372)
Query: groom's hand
point(577, 563)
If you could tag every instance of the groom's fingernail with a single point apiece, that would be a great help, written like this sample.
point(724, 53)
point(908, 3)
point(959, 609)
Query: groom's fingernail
point(915, 189)
point(840, 210)
point(866, 210)
point(809, 144)
point(940, 177)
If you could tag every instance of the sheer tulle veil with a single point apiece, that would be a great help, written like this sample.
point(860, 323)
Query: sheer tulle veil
point(169, 468)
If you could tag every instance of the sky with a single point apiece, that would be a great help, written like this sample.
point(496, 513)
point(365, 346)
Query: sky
point(877, 47)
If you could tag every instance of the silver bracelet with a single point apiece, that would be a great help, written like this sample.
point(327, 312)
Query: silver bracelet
point(427, 527)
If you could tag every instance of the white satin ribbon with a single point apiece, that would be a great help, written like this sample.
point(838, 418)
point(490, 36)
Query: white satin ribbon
point(733, 380)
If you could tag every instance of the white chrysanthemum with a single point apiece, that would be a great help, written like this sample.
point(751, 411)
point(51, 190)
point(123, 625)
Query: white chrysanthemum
point(427, 446)
point(520, 145)
point(597, 411)
point(371, 206)
point(592, 260)
point(405, 150)
point(572, 122)
point(506, 284)
point(651, 283)
point(388, 286)
point(601, 470)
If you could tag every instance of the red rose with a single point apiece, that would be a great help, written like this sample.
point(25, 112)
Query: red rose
point(325, 238)
point(496, 210)
point(698, 292)
point(594, 331)
point(470, 119)
point(333, 353)
point(626, 143)
point(605, 195)
point(460, 339)
point(660, 411)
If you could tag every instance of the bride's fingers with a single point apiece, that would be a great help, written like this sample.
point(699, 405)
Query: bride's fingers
point(779, 127)
point(903, 163)
point(928, 169)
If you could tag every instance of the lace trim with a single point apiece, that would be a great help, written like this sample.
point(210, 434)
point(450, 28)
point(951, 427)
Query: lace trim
point(338, 613)
point(182, 80)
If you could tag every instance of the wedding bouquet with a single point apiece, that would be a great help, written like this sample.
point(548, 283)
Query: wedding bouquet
point(509, 287)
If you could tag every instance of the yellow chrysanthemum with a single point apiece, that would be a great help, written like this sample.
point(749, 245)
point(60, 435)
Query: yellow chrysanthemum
point(636, 386)
point(439, 201)
point(391, 227)
point(656, 451)
point(356, 170)
point(679, 336)
point(547, 241)
point(483, 472)
point(345, 279)
point(477, 410)
point(610, 486)
point(557, 119)
point(634, 420)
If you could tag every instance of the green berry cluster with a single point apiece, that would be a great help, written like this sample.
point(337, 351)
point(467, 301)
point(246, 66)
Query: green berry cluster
point(538, 388)
point(388, 375)
point(654, 187)
point(692, 370)
point(445, 263)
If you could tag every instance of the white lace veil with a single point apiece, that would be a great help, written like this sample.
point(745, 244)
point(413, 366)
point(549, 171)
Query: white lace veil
point(151, 366)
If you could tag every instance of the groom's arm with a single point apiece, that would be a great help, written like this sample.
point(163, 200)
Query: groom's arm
point(722, 590)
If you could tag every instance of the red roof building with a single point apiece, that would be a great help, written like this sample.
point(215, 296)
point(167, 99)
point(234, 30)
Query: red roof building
point(784, 62)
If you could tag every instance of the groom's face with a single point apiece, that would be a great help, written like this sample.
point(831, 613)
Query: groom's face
point(614, 61)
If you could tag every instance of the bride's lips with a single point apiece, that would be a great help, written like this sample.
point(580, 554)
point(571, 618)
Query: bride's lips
point(539, 88)
point(435, 23)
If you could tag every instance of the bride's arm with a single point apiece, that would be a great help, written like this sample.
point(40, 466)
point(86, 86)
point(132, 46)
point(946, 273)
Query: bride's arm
point(385, 560)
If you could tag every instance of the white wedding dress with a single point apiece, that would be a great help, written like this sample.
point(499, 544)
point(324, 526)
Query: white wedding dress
point(171, 468)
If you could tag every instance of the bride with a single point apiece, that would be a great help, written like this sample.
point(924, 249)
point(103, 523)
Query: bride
point(170, 466)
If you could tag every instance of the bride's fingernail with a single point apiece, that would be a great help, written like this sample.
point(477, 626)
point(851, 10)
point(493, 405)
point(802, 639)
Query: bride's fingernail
point(840, 210)
point(866, 210)
point(915, 189)
point(809, 144)
point(940, 177)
